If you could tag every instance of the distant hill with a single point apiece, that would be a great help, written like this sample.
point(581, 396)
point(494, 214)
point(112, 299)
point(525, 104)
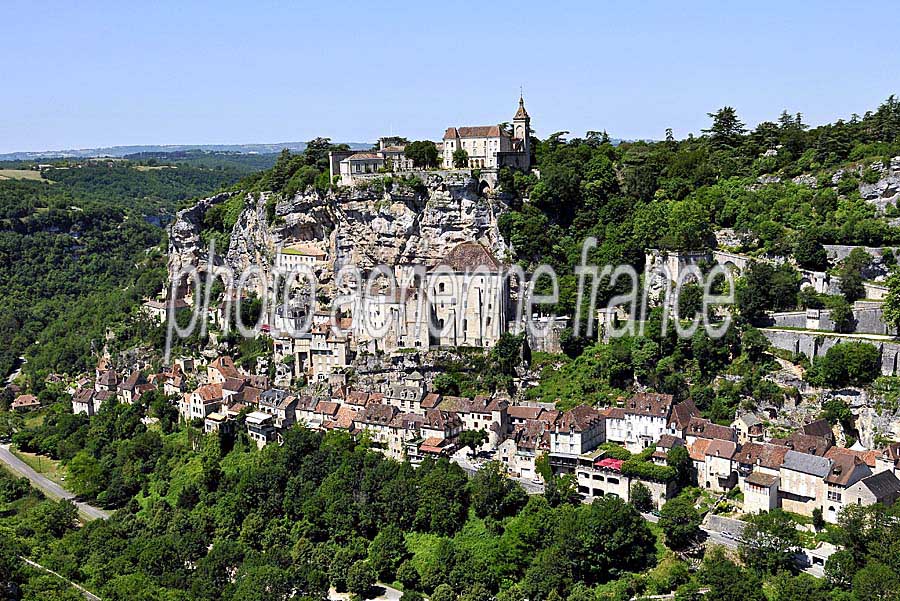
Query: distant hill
point(122, 151)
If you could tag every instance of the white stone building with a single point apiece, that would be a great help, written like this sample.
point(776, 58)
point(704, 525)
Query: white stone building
point(492, 146)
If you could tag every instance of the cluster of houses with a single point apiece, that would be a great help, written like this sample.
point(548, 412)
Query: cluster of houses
point(800, 473)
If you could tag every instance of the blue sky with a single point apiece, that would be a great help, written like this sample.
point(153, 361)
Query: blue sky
point(86, 74)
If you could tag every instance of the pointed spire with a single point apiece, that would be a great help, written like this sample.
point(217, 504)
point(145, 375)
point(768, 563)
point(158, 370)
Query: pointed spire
point(521, 113)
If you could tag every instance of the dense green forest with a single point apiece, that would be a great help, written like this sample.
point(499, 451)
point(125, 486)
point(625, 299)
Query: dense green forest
point(209, 517)
point(79, 249)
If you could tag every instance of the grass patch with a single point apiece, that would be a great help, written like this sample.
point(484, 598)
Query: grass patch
point(660, 546)
point(21, 174)
point(45, 466)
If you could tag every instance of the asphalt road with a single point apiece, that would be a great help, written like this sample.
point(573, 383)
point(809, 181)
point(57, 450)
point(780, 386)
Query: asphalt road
point(47, 486)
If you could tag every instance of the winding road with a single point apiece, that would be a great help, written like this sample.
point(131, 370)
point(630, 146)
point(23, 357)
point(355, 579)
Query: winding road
point(47, 486)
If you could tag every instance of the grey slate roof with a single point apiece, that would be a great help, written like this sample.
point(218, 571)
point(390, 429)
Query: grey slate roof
point(806, 463)
point(882, 484)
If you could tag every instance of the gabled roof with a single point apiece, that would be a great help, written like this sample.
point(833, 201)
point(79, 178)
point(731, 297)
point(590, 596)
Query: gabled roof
point(820, 427)
point(108, 378)
point(529, 436)
point(327, 408)
point(407, 421)
point(472, 131)
point(225, 366)
point(805, 443)
point(233, 384)
point(652, 404)
point(25, 400)
point(697, 451)
point(378, 414)
point(523, 412)
point(868, 457)
point(883, 484)
point(805, 463)
point(250, 394)
point(682, 414)
point(468, 256)
point(761, 453)
point(721, 448)
point(579, 419)
point(703, 428)
point(667, 441)
point(83, 395)
point(431, 400)
point(363, 156)
point(846, 468)
point(749, 420)
point(135, 378)
point(441, 420)
point(209, 392)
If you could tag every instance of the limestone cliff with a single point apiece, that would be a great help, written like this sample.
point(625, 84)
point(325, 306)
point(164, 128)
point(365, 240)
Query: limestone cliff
point(392, 224)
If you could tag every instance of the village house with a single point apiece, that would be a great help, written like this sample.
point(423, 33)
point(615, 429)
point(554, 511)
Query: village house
point(889, 459)
point(294, 256)
point(107, 380)
point(749, 428)
point(376, 420)
point(25, 402)
point(598, 475)
point(883, 487)
point(666, 443)
point(574, 433)
point(407, 396)
point(328, 352)
point(480, 414)
point(703, 428)
point(83, 402)
point(640, 422)
point(127, 388)
point(681, 416)
point(350, 166)
point(222, 369)
point(219, 423)
point(405, 432)
point(260, 428)
point(759, 457)
point(441, 424)
point(805, 443)
point(719, 474)
point(200, 403)
point(801, 482)
point(527, 441)
point(847, 468)
point(760, 492)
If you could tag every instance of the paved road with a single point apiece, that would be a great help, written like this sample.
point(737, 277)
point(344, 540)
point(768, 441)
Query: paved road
point(87, 594)
point(47, 486)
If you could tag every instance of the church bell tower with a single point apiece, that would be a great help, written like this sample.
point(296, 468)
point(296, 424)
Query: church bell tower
point(521, 127)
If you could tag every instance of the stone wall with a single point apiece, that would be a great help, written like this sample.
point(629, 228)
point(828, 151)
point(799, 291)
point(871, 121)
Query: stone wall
point(815, 345)
point(866, 320)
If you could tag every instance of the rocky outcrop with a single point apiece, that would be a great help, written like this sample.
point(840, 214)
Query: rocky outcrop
point(185, 245)
point(886, 191)
point(400, 225)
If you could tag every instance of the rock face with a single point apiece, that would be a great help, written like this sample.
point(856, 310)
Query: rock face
point(356, 226)
point(185, 246)
point(886, 191)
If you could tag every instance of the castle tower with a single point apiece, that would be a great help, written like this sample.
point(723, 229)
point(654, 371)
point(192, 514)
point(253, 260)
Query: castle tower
point(521, 127)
